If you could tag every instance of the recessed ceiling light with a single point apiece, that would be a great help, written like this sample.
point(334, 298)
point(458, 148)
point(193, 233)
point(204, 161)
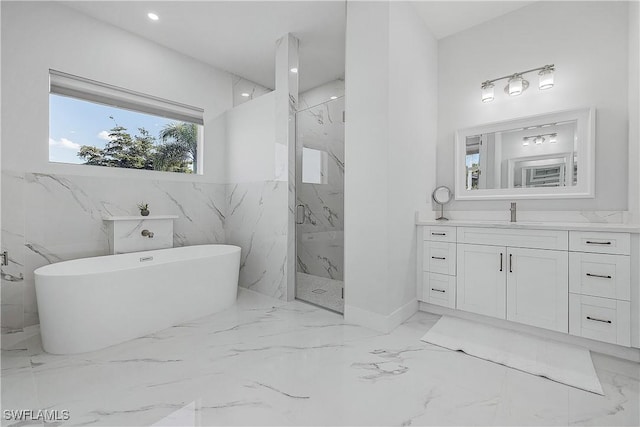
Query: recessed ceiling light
point(153, 16)
point(294, 70)
point(334, 97)
point(245, 94)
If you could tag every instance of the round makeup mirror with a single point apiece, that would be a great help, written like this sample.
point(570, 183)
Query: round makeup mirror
point(442, 195)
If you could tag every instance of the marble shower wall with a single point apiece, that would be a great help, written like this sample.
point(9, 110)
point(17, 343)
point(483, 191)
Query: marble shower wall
point(51, 218)
point(321, 127)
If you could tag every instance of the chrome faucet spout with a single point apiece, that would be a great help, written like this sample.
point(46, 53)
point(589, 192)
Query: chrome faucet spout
point(512, 209)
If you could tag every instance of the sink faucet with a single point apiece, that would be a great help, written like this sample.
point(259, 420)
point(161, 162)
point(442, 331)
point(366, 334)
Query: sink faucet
point(513, 211)
point(147, 233)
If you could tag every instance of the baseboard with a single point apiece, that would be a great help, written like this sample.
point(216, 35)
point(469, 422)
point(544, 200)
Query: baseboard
point(380, 322)
point(627, 353)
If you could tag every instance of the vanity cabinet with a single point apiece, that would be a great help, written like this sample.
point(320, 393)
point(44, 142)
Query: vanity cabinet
point(600, 286)
point(576, 282)
point(525, 285)
point(437, 269)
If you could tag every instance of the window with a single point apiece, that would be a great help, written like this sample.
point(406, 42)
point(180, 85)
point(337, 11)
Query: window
point(97, 124)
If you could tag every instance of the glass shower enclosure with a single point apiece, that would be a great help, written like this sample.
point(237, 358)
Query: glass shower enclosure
point(320, 204)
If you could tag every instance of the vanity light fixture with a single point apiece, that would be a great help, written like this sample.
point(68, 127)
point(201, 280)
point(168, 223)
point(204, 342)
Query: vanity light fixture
point(487, 92)
point(545, 77)
point(153, 16)
point(517, 83)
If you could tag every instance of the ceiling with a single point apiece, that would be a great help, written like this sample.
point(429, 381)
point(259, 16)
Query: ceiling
point(445, 18)
point(239, 36)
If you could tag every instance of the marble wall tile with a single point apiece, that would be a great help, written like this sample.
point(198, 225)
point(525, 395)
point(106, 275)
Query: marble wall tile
point(256, 220)
point(321, 254)
point(321, 94)
point(252, 89)
point(53, 218)
point(12, 283)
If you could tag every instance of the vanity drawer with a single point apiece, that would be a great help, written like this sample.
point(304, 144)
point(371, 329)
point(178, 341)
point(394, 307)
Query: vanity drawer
point(439, 257)
point(602, 242)
point(439, 233)
point(600, 319)
point(439, 289)
point(517, 238)
point(600, 275)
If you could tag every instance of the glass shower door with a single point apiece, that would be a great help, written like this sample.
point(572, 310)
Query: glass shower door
point(320, 204)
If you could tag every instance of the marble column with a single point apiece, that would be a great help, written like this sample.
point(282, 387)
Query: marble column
point(286, 106)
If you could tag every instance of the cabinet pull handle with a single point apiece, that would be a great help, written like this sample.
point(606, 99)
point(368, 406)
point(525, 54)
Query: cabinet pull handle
point(598, 275)
point(438, 257)
point(500, 261)
point(438, 290)
point(590, 242)
point(438, 234)
point(510, 263)
point(598, 320)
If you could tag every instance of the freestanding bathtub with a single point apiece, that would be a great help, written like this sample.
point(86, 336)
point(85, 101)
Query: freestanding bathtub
point(92, 303)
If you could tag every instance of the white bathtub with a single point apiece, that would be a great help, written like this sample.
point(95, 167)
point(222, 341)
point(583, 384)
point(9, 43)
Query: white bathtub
point(92, 303)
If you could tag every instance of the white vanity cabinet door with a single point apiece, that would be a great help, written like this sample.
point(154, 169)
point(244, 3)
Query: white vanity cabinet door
point(538, 288)
point(481, 279)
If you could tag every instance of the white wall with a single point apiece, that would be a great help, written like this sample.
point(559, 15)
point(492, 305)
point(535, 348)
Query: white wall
point(366, 234)
point(413, 121)
point(389, 133)
point(37, 36)
point(250, 135)
point(634, 111)
point(588, 43)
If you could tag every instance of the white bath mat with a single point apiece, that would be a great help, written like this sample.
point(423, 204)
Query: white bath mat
point(564, 363)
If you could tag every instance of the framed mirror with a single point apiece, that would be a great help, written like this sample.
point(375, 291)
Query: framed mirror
point(538, 157)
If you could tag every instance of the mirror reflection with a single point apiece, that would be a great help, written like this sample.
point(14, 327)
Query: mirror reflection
point(544, 155)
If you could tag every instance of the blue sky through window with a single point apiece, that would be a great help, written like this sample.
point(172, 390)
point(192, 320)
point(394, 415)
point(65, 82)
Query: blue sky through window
point(74, 123)
point(472, 158)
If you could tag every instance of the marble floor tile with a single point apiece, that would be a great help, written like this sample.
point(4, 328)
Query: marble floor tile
point(269, 362)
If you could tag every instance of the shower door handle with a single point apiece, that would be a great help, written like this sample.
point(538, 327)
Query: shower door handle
point(300, 214)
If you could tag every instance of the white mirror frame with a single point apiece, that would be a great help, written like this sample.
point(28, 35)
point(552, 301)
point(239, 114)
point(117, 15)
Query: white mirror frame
point(585, 188)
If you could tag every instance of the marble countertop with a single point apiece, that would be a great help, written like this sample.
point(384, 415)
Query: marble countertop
point(574, 226)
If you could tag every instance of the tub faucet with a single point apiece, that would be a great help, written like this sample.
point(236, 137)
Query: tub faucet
point(147, 233)
point(513, 211)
